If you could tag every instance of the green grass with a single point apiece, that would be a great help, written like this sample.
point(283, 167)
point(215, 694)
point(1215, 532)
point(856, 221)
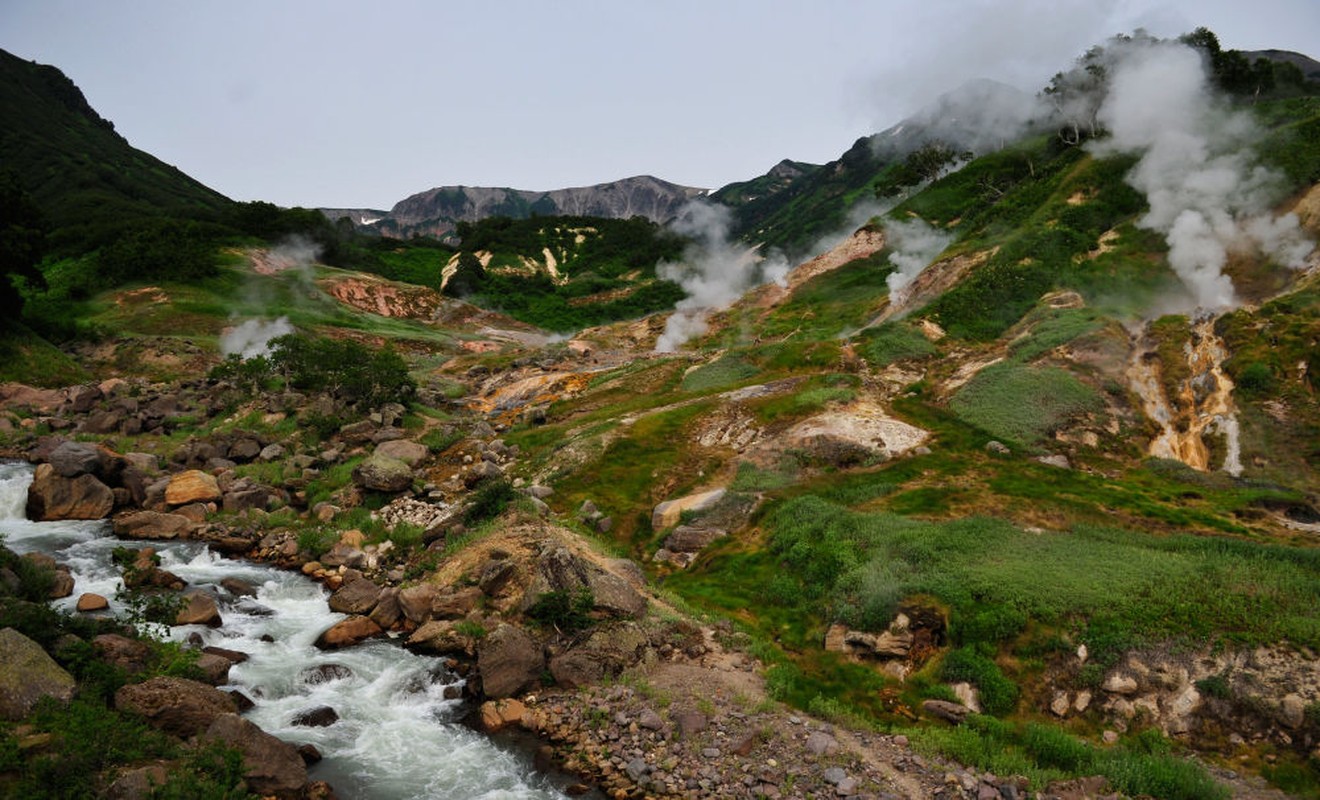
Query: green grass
point(726, 371)
point(1023, 404)
point(812, 395)
point(893, 341)
point(859, 565)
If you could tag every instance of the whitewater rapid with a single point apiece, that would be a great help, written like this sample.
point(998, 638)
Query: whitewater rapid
point(397, 736)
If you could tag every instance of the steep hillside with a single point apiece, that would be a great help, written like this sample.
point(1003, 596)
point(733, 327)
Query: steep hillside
point(82, 174)
point(437, 211)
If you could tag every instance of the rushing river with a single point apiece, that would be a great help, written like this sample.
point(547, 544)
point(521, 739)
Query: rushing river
point(397, 736)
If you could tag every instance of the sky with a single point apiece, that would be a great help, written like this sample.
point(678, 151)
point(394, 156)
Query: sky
point(357, 104)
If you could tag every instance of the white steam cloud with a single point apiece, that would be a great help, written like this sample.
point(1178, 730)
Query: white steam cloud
point(1207, 195)
point(715, 271)
point(252, 338)
point(913, 245)
point(294, 252)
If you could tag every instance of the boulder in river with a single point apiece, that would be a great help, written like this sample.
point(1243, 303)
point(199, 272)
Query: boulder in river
point(271, 768)
point(347, 632)
point(55, 497)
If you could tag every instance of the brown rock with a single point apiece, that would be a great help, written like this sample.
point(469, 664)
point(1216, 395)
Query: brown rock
point(415, 602)
point(950, 712)
point(214, 668)
point(319, 717)
point(54, 497)
point(347, 632)
point(455, 605)
point(356, 595)
point(387, 611)
point(89, 601)
point(130, 655)
point(199, 609)
point(272, 768)
point(62, 586)
point(192, 486)
point(496, 715)
point(440, 637)
point(178, 706)
point(152, 525)
point(138, 784)
point(508, 660)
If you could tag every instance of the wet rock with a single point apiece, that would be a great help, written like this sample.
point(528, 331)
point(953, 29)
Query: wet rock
point(178, 706)
point(324, 673)
point(199, 609)
point(90, 601)
point(192, 486)
point(54, 497)
point(381, 473)
point(152, 525)
point(508, 660)
point(27, 674)
point(271, 767)
point(347, 632)
point(238, 587)
point(319, 717)
point(62, 584)
point(232, 656)
point(214, 668)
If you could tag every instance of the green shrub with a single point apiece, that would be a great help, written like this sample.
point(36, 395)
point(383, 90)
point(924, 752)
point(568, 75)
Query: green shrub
point(1052, 747)
point(893, 341)
point(999, 695)
point(1215, 686)
point(1023, 404)
point(724, 371)
point(994, 624)
point(489, 501)
point(564, 610)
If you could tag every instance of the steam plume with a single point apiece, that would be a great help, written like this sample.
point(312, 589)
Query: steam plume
point(253, 337)
point(1206, 193)
point(913, 244)
point(714, 272)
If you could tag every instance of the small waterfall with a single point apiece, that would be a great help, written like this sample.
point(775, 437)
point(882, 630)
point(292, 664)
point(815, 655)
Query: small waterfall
point(1201, 404)
point(398, 736)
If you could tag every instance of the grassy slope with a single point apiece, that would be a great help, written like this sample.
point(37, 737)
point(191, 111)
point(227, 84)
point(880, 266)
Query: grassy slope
point(79, 171)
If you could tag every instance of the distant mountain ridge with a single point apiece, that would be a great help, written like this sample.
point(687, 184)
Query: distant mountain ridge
point(435, 212)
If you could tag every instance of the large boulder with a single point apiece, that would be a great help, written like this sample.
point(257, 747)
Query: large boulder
point(382, 473)
point(668, 513)
point(415, 602)
point(559, 570)
point(199, 608)
point(130, 655)
point(605, 653)
point(178, 706)
point(71, 459)
point(508, 660)
point(192, 486)
point(356, 595)
point(408, 452)
point(55, 497)
point(152, 525)
point(28, 674)
point(271, 768)
point(347, 632)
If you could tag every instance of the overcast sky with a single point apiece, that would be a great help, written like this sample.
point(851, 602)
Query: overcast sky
point(361, 104)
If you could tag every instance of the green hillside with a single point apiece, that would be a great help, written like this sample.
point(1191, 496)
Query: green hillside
point(85, 177)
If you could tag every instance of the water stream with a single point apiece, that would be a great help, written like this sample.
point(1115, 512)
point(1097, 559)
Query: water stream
point(397, 736)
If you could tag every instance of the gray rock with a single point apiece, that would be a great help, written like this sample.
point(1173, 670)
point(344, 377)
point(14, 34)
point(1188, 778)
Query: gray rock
point(271, 452)
point(71, 459)
point(997, 448)
point(637, 769)
point(408, 452)
point(28, 674)
point(319, 717)
point(821, 744)
point(381, 473)
point(508, 660)
point(834, 776)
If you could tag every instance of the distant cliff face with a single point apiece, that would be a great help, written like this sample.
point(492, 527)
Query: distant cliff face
point(435, 212)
